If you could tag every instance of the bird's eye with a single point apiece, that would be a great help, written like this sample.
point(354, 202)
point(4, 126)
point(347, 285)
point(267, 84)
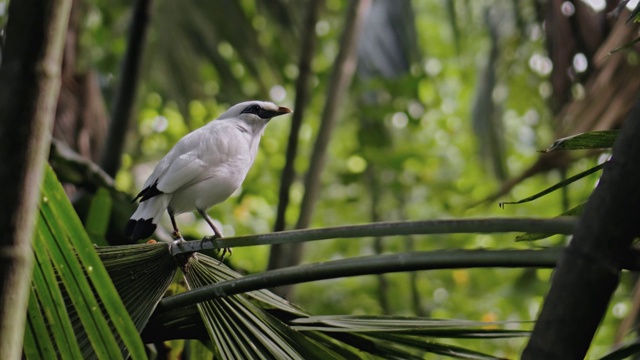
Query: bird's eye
point(253, 109)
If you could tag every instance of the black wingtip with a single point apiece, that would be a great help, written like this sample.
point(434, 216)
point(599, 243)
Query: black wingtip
point(148, 192)
point(139, 229)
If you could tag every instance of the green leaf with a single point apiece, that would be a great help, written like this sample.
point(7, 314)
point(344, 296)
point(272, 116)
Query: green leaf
point(35, 325)
point(97, 221)
point(77, 288)
point(402, 347)
point(198, 350)
point(435, 347)
point(589, 140)
point(70, 269)
point(141, 274)
point(239, 328)
point(444, 328)
point(382, 335)
point(36, 346)
point(555, 187)
point(47, 306)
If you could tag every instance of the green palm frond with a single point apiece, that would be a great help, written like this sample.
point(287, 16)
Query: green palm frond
point(589, 140)
point(259, 323)
point(141, 274)
point(97, 221)
point(73, 310)
point(411, 333)
point(406, 325)
point(239, 328)
point(47, 332)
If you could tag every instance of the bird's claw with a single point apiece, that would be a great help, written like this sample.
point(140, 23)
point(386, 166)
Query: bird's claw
point(225, 252)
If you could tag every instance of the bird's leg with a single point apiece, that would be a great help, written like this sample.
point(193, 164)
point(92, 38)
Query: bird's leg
point(217, 233)
point(213, 226)
point(176, 232)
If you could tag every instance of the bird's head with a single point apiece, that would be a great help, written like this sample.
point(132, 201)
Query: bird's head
point(255, 111)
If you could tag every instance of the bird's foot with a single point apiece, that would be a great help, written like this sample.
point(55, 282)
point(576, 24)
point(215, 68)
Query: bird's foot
point(176, 235)
point(224, 252)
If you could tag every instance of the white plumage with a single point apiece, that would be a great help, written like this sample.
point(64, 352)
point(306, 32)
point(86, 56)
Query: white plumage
point(204, 168)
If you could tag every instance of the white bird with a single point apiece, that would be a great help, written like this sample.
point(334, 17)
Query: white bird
point(203, 169)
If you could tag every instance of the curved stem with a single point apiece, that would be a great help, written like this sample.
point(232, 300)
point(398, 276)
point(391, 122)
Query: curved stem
point(368, 265)
point(562, 225)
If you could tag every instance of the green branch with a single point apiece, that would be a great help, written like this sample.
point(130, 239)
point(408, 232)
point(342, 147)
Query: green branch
point(561, 225)
point(378, 264)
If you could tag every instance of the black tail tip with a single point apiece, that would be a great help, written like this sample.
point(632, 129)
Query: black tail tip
point(139, 229)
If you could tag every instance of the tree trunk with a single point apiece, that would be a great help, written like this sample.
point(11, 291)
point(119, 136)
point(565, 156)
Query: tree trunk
point(344, 68)
point(588, 270)
point(29, 88)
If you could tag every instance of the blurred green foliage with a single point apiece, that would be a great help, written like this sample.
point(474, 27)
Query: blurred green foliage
point(418, 143)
